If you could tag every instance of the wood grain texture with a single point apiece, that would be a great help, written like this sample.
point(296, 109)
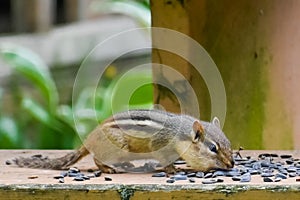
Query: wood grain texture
point(255, 46)
point(15, 183)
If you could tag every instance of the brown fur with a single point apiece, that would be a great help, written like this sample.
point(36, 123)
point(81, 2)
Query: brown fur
point(56, 163)
point(161, 135)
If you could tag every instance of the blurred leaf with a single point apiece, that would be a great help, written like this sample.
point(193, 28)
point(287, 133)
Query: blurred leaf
point(65, 113)
point(143, 95)
point(92, 106)
point(132, 90)
point(1, 96)
point(90, 103)
point(41, 115)
point(138, 10)
point(9, 135)
point(84, 99)
point(33, 68)
point(145, 3)
point(88, 113)
point(51, 139)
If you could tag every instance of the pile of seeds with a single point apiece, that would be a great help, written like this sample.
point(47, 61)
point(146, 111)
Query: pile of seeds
point(270, 167)
point(78, 176)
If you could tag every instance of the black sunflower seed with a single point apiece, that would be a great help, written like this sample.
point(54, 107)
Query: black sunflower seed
point(179, 177)
point(280, 175)
point(267, 179)
point(58, 177)
point(98, 173)
point(78, 178)
point(236, 178)
point(8, 162)
point(277, 179)
point(159, 174)
point(170, 180)
point(245, 178)
point(107, 178)
point(286, 156)
point(179, 162)
point(292, 175)
point(219, 180)
point(209, 181)
point(200, 175)
point(73, 170)
point(266, 175)
point(192, 180)
point(191, 174)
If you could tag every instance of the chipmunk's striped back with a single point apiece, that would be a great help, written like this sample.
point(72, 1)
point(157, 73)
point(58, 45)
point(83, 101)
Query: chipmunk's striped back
point(142, 134)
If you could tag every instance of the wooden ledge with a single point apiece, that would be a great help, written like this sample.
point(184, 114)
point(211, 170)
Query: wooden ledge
point(22, 183)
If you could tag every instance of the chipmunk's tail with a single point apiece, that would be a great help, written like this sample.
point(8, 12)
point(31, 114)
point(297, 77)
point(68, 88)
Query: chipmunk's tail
point(38, 161)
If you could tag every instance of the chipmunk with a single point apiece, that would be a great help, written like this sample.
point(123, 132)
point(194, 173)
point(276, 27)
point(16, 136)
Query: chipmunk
point(141, 134)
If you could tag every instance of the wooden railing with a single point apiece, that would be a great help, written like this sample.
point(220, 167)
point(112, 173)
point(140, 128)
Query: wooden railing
point(23, 183)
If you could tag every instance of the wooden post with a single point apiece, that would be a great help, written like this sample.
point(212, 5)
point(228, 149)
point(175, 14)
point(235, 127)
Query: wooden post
point(255, 45)
point(171, 15)
point(32, 15)
point(76, 10)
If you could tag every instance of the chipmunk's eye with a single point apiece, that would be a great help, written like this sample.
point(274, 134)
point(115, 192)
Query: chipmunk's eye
point(213, 148)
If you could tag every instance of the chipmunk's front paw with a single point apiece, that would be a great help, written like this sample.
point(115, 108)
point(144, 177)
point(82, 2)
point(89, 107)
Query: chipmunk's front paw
point(105, 168)
point(170, 169)
point(108, 170)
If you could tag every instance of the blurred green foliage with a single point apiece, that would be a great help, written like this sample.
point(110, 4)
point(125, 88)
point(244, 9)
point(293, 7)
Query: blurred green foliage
point(55, 121)
point(43, 122)
point(137, 9)
point(9, 134)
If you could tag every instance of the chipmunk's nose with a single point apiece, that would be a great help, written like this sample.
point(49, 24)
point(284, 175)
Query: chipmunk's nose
point(230, 163)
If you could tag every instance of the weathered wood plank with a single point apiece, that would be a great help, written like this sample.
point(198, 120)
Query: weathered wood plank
point(15, 183)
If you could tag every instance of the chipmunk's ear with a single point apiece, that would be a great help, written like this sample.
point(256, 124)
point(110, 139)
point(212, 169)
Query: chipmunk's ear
point(198, 132)
point(216, 122)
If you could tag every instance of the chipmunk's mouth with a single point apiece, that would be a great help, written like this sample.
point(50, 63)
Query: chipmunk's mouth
point(228, 163)
point(225, 165)
point(232, 163)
